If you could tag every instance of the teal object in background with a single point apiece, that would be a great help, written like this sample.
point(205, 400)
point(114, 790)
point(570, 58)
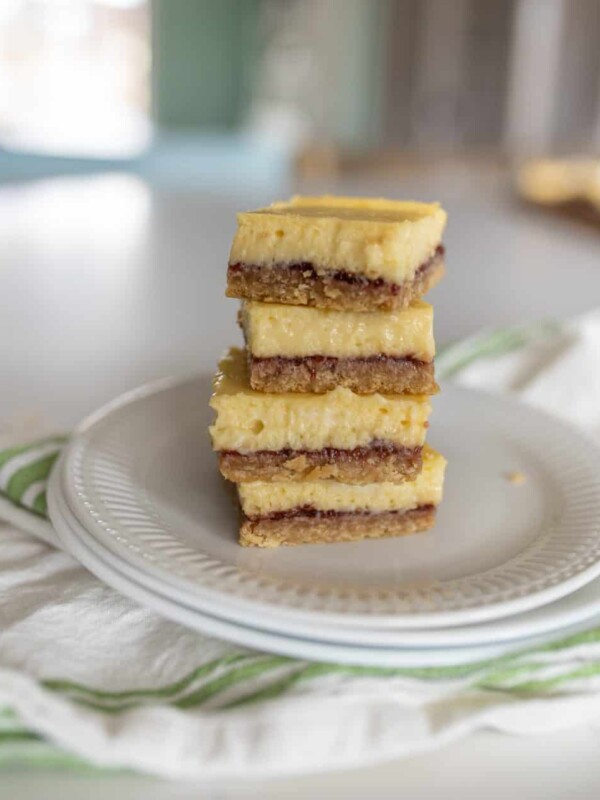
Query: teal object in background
point(356, 57)
point(227, 163)
point(205, 55)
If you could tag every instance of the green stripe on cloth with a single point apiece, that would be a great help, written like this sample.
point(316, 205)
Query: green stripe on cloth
point(18, 736)
point(9, 722)
point(499, 674)
point(554, 685)
point(20, 747)
point(40, 504)
point(453, 358)
point(11, 452)
point(161, 693)
point(28, 470)
point(233, 678)
point(32, 473)
point(39, 754)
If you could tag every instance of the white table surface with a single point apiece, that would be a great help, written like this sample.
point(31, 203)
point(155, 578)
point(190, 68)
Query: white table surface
point(106, 284)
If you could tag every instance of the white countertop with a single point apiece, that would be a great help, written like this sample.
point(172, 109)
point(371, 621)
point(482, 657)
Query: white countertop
point(560, 766)
point(105, 284)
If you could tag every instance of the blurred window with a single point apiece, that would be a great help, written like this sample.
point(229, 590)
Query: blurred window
point(75, 76)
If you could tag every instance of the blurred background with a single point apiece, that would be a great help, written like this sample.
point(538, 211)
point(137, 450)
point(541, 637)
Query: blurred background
point(131, 131)
point(198, 91)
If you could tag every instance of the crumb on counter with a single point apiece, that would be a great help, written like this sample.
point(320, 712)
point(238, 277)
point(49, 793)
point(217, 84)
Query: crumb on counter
point(516, 478)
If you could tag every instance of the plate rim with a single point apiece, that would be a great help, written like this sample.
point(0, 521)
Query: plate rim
point(460, 635)
point(208, 598)
point(72, 535)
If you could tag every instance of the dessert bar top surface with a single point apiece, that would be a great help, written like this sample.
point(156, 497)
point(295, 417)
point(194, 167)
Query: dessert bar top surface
point(379, 239)
point(260, 499)
point(273, 330)
point(249, 420)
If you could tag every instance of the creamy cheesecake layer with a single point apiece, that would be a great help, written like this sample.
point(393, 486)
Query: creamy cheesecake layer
point(272, 329)
point(249, 421)
point(556, 182)
point(261, 500)
point(373, 238)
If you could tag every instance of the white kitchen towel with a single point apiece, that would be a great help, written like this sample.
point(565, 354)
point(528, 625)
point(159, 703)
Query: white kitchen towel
point(89, 677)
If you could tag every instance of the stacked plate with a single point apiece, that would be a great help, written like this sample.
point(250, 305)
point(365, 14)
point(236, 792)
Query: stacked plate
point(511, 563)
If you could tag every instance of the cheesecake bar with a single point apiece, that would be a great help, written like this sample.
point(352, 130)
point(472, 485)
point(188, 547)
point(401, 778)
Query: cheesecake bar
point(353, 438)
point(570, 186)
point(291, 513)
point(341, 253)
point(301, 349)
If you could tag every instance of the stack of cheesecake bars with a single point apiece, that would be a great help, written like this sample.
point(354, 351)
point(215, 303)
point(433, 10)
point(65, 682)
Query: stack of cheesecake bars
point(321, 419)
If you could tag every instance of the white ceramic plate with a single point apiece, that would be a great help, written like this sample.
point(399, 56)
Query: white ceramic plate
point(141, 478)
point(75, 540)
point(582, 605)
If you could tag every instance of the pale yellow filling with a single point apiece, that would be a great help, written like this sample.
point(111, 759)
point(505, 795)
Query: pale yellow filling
point(386, 239)
point(280, 330)
point(261, 498)
point(550, 182)
point(248, 420)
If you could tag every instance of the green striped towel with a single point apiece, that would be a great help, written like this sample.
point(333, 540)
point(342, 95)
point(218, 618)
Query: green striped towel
point(88, 678)
point(24, 472)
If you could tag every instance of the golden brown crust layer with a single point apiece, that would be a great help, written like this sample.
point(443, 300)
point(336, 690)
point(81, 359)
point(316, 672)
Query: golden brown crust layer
point(300, 284)
point(362, 375)
point(337, 528)
point(361, 465)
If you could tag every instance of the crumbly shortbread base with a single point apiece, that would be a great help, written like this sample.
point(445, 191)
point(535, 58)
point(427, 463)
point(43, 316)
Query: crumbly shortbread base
point(301, 284)
point(321, 529)
point(384, 374)
point(375, 464)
